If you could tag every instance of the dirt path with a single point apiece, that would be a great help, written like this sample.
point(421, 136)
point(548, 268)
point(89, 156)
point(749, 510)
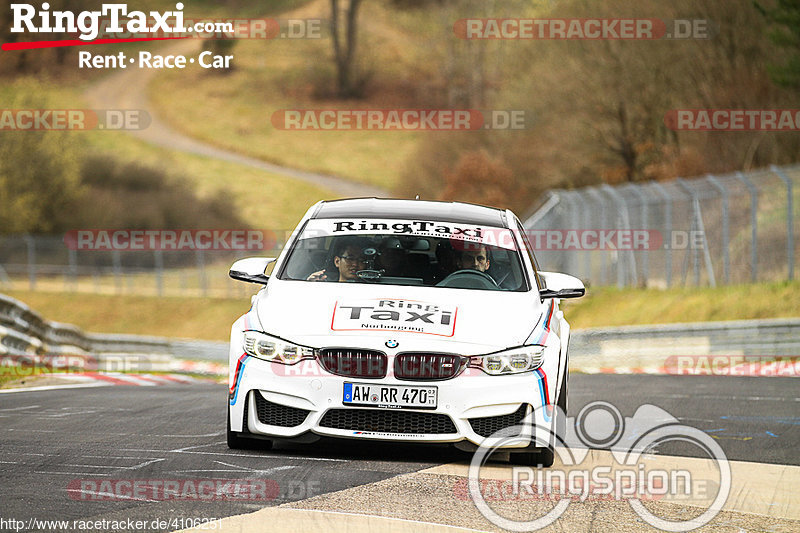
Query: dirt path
point(127, 89)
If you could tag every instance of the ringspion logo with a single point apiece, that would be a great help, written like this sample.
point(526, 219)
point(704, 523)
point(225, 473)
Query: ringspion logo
point(632, 475)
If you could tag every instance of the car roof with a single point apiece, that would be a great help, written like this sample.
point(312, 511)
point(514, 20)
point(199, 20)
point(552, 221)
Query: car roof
point(412, 209)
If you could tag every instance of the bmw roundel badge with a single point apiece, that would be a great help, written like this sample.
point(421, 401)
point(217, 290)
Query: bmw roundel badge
point(391, 343)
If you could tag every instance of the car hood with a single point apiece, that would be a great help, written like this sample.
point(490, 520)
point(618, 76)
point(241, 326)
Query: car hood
point(416, 318)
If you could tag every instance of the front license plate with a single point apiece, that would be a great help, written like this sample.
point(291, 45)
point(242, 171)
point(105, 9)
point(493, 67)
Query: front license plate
point(391, 396)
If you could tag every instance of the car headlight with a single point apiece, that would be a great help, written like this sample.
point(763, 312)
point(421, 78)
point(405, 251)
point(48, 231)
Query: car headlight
point(269, 348)
point(514, 361)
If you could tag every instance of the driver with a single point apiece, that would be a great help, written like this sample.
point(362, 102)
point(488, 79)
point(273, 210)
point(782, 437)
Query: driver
point(393, 257)
point(348, 259)
point(473, 259)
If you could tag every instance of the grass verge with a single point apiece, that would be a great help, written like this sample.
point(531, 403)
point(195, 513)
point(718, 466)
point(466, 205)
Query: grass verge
point(196, 318)
point(620, 307)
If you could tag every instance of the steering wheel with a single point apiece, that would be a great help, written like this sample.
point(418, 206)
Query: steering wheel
point(465, 279)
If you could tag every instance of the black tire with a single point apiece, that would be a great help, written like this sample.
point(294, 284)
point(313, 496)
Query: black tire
point(542, 458)
point(561, 421)
point(237, 442)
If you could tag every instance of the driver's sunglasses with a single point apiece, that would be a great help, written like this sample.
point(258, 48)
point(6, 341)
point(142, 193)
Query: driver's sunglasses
point(354, 259)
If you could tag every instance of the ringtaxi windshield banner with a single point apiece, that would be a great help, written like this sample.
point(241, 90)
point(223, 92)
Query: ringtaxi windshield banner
point(456, 232)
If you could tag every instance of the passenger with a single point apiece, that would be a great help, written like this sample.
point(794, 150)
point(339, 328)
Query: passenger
point(348, 259)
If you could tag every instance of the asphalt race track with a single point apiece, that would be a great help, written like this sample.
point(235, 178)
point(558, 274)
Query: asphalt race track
point(52, 438)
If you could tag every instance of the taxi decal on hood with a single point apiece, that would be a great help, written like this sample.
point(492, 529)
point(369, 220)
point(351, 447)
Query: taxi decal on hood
point(393, 314)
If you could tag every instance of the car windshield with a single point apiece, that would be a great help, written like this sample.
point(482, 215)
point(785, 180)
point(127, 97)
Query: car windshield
point(424, 253)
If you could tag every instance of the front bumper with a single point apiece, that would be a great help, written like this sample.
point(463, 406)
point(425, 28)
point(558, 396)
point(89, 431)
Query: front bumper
point(307, 399)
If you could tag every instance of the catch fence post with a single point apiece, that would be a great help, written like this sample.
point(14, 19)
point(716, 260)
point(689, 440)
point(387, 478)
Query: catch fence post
point(753, 223)
point(789, 219)
point(667, 229)
point(595, 194)
point(726, 254)
point(159, 264)
point(201, 272)
point(636, 189)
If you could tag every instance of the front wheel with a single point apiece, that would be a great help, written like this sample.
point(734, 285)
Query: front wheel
point(544, 457)
point(561, 412)
point(237, 442)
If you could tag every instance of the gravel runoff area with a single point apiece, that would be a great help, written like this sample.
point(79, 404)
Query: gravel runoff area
point(415, 496)
point(762, 498)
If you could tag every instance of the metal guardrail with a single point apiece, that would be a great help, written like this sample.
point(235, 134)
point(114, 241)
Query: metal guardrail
point(34, 335)
point(653, 345)
point(27, 338)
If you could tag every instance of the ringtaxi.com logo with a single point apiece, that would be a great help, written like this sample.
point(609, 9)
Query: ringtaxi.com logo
point(27, 19)
point(634, 477)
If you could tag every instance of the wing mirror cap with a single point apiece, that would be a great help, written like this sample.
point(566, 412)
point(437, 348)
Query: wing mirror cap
point(558, 285)
point(251, 269)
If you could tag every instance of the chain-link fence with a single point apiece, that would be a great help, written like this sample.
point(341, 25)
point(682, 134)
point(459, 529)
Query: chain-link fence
point(734, 228)
point(48, 263)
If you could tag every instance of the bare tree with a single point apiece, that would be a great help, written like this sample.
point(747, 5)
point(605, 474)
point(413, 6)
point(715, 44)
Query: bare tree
point(344, 45)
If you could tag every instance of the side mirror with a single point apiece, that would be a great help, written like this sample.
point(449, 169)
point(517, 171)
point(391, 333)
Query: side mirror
point(557, 285)
point(251, 269)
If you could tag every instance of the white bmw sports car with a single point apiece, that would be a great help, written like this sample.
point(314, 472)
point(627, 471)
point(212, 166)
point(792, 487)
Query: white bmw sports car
point(400, 320)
